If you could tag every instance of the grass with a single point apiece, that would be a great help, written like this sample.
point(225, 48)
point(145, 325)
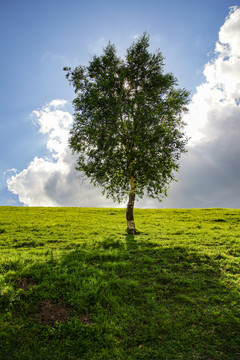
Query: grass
point(74, 285)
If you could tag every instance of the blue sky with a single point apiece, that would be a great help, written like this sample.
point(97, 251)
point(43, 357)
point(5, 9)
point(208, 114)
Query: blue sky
point(39, 38)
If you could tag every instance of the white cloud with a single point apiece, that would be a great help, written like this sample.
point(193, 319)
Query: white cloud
point(229, 32)
point(210, 172)
point(53, 181)
point(56, 123)
point(222, 86)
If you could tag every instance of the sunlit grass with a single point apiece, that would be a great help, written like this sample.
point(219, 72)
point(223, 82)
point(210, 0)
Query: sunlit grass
point(171, 292)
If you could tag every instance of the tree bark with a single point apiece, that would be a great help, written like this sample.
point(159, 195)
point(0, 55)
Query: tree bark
point(129, 214)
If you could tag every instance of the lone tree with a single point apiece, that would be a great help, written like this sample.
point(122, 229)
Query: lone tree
point(128, 128)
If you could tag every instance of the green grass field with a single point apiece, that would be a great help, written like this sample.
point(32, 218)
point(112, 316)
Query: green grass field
point(74, 285)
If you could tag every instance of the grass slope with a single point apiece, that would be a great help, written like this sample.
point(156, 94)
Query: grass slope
point(74, 286)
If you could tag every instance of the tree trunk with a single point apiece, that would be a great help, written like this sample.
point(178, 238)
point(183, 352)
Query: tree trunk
point(129, 214)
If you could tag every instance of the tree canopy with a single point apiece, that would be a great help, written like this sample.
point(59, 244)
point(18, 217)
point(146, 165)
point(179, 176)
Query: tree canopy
point(128, 128)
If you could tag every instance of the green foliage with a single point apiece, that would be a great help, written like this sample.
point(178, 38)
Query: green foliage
point(172, 292)
point(128, 121)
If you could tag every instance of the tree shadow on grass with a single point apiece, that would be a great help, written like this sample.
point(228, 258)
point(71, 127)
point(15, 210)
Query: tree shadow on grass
point(142, 300)
point(131, 243)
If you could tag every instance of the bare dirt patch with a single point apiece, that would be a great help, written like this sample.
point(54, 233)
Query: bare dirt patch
point(49, 313)
point(25, 283)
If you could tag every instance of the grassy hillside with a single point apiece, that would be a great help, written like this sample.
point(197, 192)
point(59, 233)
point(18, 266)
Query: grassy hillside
point(74, 286)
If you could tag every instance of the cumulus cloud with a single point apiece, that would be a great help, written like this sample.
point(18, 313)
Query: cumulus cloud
point(210, 172)
point(213, 164)
point(53, 181)
point(222, 86)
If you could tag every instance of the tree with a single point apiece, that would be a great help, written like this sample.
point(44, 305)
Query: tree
point(128, 128)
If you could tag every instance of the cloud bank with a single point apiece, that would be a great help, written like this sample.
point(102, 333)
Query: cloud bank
point(210, 172)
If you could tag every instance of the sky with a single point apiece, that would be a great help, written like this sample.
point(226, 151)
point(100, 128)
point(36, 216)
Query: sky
point(200, 41)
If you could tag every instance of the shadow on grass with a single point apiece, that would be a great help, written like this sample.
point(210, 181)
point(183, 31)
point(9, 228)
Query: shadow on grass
point(131, 243)
point(141, 301)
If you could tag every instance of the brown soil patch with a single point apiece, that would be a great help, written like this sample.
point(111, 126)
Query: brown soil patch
point(25, 283)
point(49, 313)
